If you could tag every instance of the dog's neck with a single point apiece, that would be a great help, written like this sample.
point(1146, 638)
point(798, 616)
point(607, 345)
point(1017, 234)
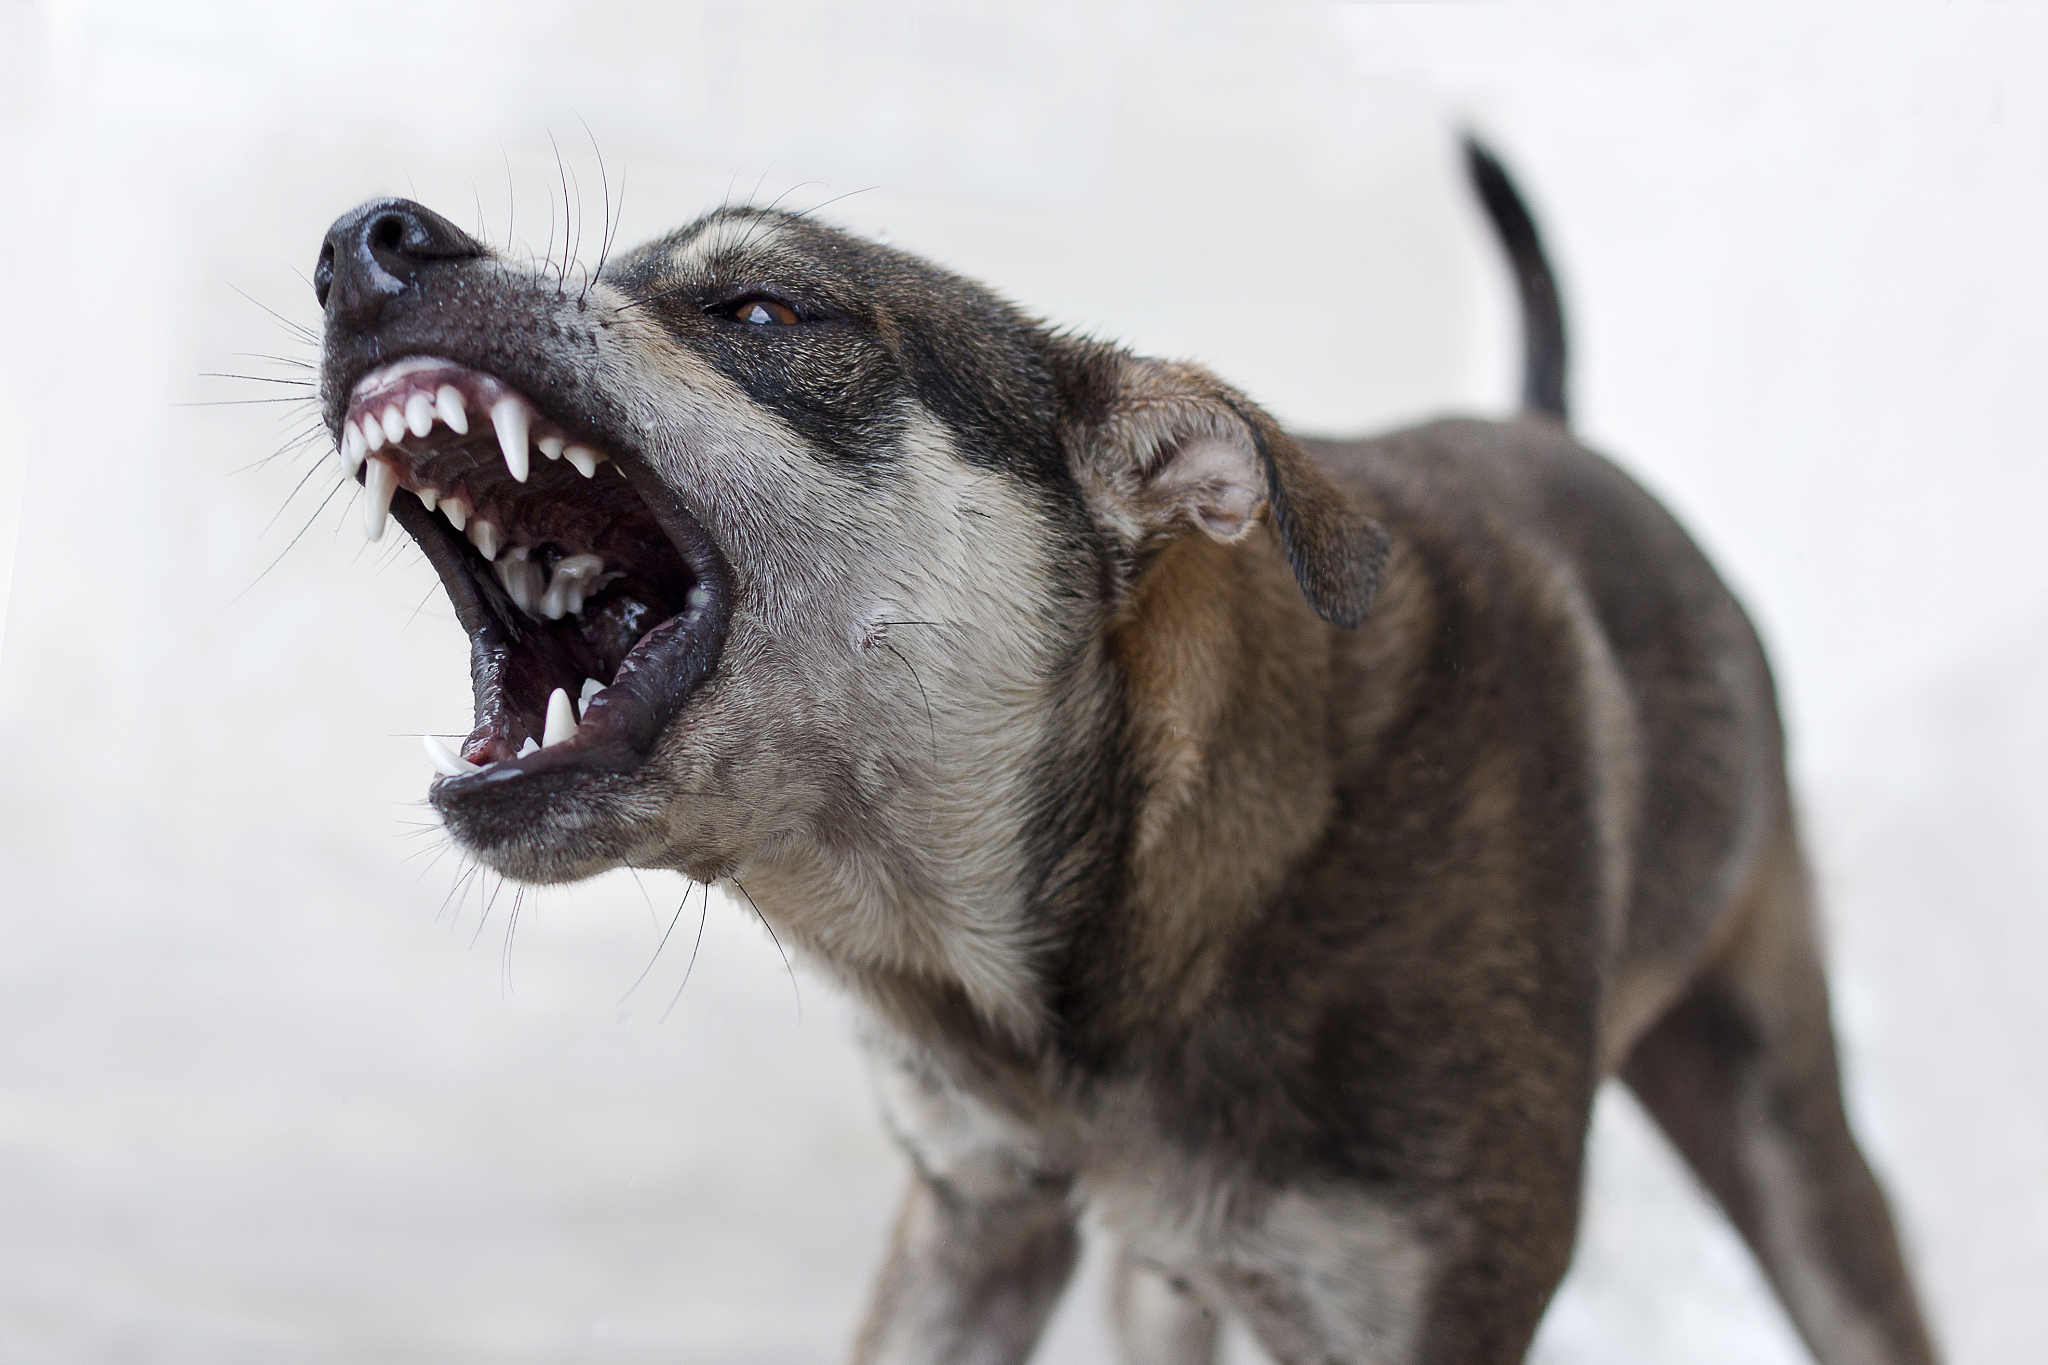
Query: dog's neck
point(1188, 807)
point(1230, 744)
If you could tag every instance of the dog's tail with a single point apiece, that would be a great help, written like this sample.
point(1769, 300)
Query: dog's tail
point(1543, 343)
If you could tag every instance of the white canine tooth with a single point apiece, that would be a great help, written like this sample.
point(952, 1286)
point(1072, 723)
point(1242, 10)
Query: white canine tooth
point(373, 433)
point(446, 761)
point(394, 423)
point(380, 481)
point(696, 597)
point(353, 448)
point(591, 687)
point(523, 582)
point(561, 720)
point(419, 414)
point(528, 580)
point(456, 513)
point(521, 578)
point(430, 496)
point(508, 415)
point(584, 458)
point(527, 748)
point(449, 407)
point(551, 446)
point(486, 537)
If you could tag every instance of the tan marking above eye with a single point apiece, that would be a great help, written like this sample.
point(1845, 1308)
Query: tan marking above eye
point(764, 312)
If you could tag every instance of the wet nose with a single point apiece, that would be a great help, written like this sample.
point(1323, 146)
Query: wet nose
point(376, 251)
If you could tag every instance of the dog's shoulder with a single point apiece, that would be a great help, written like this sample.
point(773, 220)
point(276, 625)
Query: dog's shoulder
point(1597, 674)
point(1520, 517)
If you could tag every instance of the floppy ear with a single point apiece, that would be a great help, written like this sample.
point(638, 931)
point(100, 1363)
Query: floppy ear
point(1161, 448)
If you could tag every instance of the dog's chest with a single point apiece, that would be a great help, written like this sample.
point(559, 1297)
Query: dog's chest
point(1173, 1207)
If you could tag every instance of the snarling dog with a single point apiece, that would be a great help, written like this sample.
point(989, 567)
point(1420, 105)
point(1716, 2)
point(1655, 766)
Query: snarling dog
point(1264, 845)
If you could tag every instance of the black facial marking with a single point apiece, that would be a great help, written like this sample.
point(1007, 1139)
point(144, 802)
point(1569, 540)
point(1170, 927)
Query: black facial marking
point(876, 331)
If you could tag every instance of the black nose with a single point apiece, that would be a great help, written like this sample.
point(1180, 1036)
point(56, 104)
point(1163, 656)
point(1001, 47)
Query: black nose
point(376, 251)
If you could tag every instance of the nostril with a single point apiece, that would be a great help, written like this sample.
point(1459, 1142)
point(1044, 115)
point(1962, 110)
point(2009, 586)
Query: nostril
point(323, 273)
point(377, 253)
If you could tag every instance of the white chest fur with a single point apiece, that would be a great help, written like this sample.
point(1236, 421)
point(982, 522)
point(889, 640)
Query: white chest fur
point(1309, 1262)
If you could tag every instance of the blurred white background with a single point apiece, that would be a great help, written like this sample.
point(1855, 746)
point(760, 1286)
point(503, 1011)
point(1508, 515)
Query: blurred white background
point(274, 1087)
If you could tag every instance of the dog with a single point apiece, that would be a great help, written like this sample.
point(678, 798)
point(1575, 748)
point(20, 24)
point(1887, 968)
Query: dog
point(1265, 845)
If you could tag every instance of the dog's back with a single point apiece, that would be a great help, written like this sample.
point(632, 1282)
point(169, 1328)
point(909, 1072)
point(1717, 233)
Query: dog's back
point(1524, 828)
point(1587, 861)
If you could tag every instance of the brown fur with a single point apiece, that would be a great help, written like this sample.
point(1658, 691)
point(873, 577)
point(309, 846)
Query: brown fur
point(1266, 846)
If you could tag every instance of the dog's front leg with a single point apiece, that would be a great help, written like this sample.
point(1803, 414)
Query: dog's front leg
point(986, 1237)
point(972, 1274)
point(1159, 1318)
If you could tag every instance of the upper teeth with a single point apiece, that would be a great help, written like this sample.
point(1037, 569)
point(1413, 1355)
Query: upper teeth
point(485, 537)
point(419, 414)
point(524, 580)
point(353, 447)
point(512, 420)
point(510, 417)
point(535, 589)
point(575, 578)
point(556, 595)
point(380, 481)
point(449, 407)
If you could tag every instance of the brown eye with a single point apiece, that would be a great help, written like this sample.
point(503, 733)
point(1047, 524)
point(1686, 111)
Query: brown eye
point(764, 311)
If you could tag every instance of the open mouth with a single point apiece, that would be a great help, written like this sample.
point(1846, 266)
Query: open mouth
point(595, 603)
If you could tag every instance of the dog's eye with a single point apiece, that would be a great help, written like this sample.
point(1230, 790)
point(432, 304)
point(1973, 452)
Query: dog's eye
point(764, 312)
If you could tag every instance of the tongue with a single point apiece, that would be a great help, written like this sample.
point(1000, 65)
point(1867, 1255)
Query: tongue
point(620, 722)
point(656, 677)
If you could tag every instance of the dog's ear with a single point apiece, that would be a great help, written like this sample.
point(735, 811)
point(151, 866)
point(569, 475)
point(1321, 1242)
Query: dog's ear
point(1160, 448)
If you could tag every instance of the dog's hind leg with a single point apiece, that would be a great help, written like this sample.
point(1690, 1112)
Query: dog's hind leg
point(1159, 1320)
point(1742, 1074)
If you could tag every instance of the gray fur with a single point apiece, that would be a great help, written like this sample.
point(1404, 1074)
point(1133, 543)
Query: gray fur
point(1267, 846)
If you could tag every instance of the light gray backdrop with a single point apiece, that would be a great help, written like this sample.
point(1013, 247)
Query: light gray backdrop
point(275, 1086)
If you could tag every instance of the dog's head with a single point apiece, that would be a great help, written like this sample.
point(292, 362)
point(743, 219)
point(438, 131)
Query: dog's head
point(815, 536)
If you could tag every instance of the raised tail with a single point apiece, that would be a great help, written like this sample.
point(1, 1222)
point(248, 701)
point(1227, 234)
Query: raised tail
point(1543, 342)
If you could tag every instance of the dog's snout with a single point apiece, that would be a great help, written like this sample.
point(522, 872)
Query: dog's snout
point(376, 251)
